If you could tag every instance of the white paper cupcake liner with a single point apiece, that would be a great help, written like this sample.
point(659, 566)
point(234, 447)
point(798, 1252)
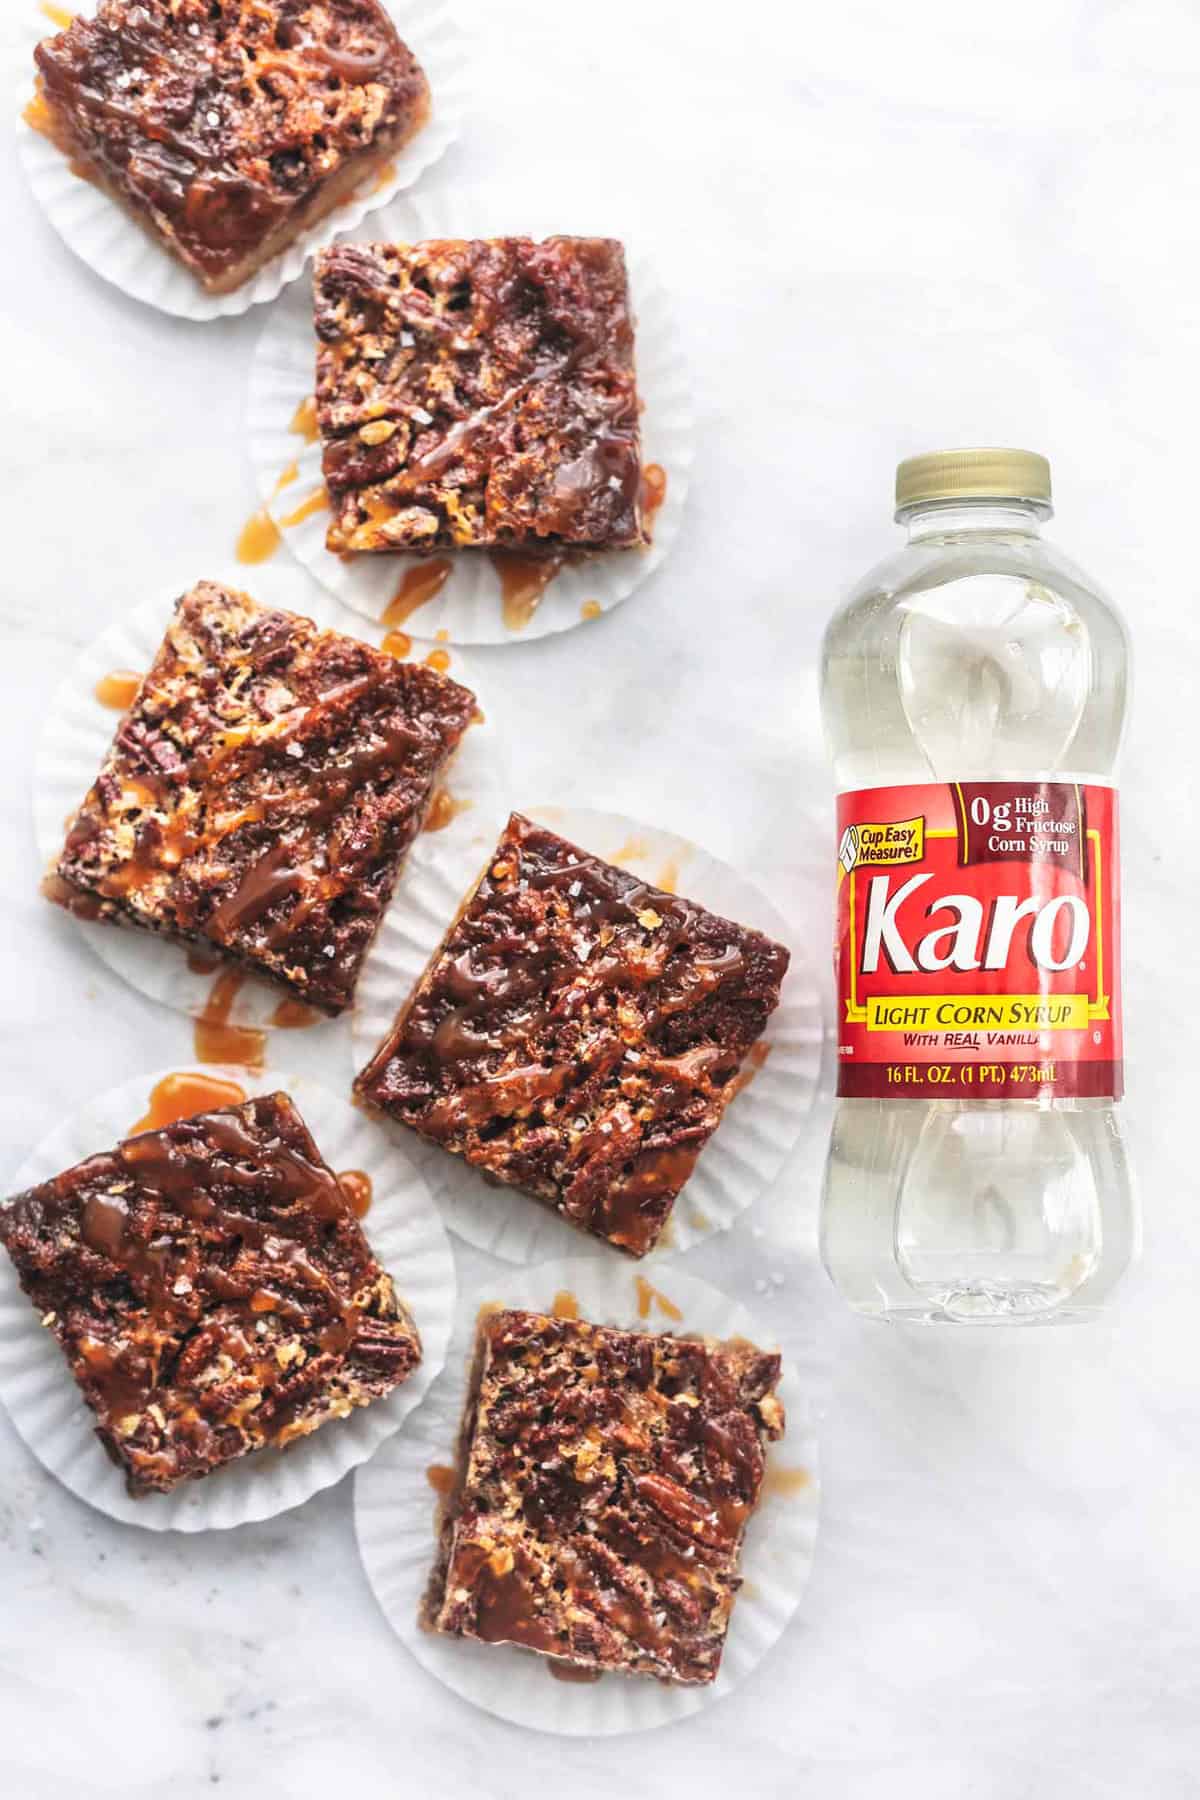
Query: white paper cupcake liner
point(395, 1512)
point(404, 1231)
point(77, 732)
point(761, 1124)
point(106, 238)
point(468, 608)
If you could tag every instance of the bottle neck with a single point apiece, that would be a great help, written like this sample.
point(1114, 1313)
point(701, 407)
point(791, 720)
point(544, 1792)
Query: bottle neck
point(965, 518)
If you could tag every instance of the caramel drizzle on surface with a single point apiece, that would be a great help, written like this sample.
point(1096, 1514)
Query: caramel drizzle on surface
point(118, 689)
point(647, 1296)
point(785, 1482)
point(668, 879)
point(356, 1185)
point(654, 492)
point(37, 114)
point(258, 539)
point(417, 585)
point(634, 849)
point(316, 502)
point(443, 810)
point(304, 420)
point(523, 584)
point(182, 1095)
point(216, 1040)
point(294, 1015)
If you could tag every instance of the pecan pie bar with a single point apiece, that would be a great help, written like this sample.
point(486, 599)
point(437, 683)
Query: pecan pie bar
point(211, 1290)
point(578, 1033)
point(227, 127)
point(478, 393)
point(262, 791)
point(605, 1484)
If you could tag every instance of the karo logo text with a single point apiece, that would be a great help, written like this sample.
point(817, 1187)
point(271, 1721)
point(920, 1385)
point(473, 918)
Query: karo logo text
point(964, 941)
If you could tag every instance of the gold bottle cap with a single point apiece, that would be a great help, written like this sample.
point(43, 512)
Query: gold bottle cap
point(973, 475)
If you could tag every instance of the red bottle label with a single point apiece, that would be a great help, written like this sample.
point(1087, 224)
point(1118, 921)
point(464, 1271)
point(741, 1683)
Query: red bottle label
point(978, 941)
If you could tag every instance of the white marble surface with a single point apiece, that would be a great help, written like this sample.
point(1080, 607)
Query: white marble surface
point(888, 228)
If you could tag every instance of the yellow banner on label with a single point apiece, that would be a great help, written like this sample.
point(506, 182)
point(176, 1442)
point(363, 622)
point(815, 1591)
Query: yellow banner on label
point(977, 1012)
point(884, 845)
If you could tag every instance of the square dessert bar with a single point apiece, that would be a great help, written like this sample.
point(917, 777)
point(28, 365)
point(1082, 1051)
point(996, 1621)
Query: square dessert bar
point(478, 394)
point(577, 1034)
point(605, 1483)
point(227, 127)
point(261, 792)
point(211, 1290)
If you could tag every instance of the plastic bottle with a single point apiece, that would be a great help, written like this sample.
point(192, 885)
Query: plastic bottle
point(974, 692)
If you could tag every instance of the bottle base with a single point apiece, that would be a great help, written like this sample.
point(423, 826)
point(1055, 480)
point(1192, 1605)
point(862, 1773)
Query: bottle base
point(978, 1215)
point(978, 1306)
